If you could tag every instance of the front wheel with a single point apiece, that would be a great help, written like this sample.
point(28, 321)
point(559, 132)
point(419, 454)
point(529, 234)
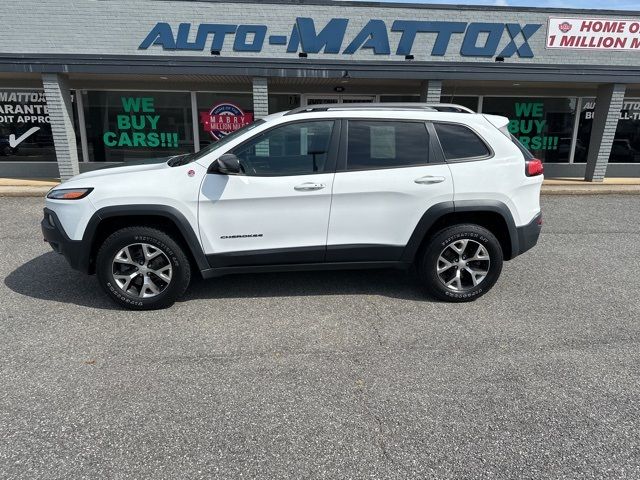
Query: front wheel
point(461, 263)
point(142, 268)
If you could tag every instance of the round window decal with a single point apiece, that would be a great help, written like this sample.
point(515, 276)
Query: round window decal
point(223, 119)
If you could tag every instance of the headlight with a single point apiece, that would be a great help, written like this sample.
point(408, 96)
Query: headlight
point(69, 193)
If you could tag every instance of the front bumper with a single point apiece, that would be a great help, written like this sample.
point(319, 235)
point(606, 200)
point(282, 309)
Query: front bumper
point(56, 237)
point(528, 234)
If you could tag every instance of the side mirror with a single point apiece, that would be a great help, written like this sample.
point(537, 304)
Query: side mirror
point(227, 164)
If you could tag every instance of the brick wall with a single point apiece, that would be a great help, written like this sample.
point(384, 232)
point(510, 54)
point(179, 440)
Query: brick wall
point(119, 26)
point(608, 105)
point(431, 91)
point(260, 97)
point(61, 118)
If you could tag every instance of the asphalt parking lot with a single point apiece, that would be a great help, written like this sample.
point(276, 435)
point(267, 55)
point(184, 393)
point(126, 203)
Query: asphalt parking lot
point(330, 375)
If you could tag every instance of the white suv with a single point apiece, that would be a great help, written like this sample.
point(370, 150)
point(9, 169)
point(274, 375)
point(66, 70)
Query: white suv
point(320, 187)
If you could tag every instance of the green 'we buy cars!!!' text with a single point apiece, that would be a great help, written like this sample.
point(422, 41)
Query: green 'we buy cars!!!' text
point(137, 126)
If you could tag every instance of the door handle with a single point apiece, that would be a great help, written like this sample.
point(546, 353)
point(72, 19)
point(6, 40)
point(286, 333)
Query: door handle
point(429, 179)
point(309, 187)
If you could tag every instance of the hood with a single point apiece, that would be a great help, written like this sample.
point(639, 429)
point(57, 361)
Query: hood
point(145, 161)
point(130, 167)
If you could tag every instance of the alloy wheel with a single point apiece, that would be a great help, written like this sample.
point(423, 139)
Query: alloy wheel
point(463, 264)
point(142, 270)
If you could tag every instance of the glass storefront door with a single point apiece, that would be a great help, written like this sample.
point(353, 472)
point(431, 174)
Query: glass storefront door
point(330, 98)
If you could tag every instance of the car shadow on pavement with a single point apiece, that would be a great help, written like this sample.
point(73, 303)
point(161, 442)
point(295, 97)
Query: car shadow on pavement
point(387, 282)
point(48, 277)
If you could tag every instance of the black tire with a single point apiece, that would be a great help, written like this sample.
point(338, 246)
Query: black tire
point(169, 291)
point(428, 262)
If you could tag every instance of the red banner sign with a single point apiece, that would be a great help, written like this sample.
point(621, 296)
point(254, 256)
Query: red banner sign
point(593, 34)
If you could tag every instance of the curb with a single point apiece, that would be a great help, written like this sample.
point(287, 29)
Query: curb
point(23, 191)
point(590, 190)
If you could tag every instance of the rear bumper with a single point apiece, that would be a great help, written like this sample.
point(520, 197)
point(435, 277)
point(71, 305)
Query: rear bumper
point(57, 238)
point(528, 234)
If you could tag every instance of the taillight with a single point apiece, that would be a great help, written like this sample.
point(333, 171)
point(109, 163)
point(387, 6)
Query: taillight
point(533, 167)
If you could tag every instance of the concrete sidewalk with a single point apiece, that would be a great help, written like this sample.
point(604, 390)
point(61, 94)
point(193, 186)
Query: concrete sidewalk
point(12, 187)
point(577, 186)
point(26, 187)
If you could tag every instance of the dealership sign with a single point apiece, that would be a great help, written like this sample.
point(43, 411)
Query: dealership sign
point(223, 119)
point(479, 39)
point(593, 34)
point(138, 126)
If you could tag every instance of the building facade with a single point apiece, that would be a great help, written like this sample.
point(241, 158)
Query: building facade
point(89, 83)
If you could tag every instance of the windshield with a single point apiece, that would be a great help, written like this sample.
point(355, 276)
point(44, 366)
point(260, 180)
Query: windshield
point(192, 157)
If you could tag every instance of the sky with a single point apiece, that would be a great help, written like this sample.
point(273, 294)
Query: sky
point(599, 4)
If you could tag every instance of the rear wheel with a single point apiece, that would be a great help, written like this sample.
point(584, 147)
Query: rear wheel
point(142, 268)
point(461, 263)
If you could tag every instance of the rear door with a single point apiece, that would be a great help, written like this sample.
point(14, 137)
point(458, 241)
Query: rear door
point(389, 174)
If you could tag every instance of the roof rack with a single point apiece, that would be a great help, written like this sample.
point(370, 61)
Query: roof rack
point(430, 107)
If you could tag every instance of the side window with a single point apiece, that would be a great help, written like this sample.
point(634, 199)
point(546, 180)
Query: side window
point(460, 142)
point(292, 149)
point(386, 144)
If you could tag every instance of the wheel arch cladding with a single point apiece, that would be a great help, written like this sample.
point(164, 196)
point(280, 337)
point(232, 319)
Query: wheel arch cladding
point(492, 215)
point(109, 219)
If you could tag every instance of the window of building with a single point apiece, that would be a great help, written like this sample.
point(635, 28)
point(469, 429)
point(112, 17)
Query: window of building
point(543, 125)
point(222, 113)
point(400, 98)
point(626, 143)
point(25, 128)
point(294, 149)
point(280, 102)
point(127, 126)
point(459, 142)
point(383, 144)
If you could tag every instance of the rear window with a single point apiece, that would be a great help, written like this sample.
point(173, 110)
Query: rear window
point(373, 144)
point(459, 142)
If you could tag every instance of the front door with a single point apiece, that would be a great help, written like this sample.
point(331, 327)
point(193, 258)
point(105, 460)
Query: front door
point(383, 185)
point(277, 210)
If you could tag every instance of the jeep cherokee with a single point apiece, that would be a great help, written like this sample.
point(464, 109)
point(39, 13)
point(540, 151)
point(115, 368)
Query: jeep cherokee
point(337, 186)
